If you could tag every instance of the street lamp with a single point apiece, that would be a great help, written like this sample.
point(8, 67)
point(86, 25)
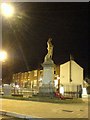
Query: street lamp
point(7, 10)
point(3, 56)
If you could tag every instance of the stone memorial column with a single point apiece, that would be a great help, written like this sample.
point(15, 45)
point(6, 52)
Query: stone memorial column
point(48, 65)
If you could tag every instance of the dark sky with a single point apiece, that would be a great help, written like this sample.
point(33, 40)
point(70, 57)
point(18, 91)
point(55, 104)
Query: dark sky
point(25, 35)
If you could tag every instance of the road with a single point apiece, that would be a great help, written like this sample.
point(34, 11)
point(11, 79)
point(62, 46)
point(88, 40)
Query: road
point(45, 110)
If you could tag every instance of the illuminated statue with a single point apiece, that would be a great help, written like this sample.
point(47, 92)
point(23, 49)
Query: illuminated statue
point(50, 50)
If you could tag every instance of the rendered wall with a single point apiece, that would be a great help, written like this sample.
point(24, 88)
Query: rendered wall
point(64, 73)
point(76, 74)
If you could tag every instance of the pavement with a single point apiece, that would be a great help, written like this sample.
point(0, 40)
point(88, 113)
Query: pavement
point(32, 109)
point(4, 117)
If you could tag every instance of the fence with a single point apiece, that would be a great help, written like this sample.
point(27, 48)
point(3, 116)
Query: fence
point(73, 90)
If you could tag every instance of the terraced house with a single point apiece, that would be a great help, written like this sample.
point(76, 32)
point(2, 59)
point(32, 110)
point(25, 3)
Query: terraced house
point(68, 75)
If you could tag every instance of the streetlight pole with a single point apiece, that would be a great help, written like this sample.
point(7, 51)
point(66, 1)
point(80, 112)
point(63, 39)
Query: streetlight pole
point(0, 43)
point(7, 11)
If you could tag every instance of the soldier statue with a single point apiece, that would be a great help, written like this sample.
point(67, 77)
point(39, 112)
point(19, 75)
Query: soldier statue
point(50, 50)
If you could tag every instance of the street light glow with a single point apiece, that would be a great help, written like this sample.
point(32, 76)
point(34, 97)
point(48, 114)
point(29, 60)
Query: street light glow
point(7, 9)
point(3, 56)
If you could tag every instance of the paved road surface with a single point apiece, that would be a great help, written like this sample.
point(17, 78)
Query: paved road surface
point(45, 110)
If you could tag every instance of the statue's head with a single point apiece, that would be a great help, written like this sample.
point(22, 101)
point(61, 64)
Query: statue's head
point(50, 39)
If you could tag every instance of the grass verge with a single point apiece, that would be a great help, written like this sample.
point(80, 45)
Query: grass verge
point(47, 99)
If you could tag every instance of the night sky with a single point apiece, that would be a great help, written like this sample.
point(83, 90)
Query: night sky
point(25, 35)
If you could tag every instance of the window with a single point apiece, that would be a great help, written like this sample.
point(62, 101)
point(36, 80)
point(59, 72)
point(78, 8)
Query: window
point(35, 72)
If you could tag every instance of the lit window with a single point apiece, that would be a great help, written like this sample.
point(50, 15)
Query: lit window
point(35, 72)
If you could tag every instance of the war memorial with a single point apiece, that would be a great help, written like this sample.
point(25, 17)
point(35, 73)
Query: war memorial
point(47, 87)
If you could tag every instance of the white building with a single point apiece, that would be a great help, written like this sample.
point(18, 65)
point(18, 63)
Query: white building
point(71, 77)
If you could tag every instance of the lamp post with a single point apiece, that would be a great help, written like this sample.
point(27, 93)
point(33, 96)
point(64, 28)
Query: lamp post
point(7, 11)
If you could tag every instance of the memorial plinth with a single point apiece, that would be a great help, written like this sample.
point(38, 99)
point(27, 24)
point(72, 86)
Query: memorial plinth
point(47, 87)
point(48, 72)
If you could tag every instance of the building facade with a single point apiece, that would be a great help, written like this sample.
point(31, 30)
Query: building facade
point(29, 79)
point(71, 77)
point(68, 75)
